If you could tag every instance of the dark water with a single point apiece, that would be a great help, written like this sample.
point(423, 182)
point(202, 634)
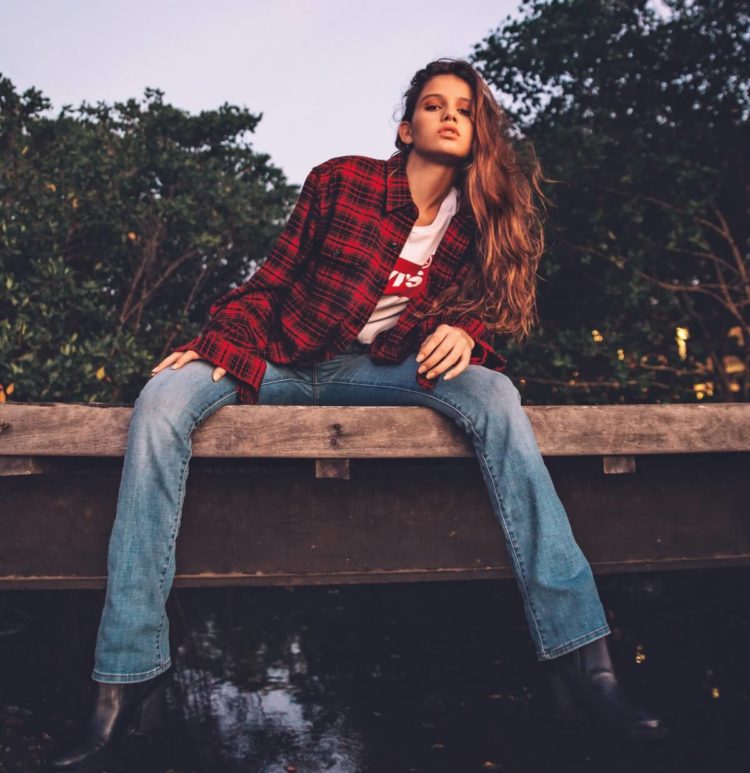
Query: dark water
point(408, 678)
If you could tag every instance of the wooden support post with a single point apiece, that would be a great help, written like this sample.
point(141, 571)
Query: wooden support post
point(332, 468)
point(614, 465)
point(20, 465)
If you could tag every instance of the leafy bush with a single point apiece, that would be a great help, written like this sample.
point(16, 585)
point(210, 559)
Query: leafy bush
point(119, 225)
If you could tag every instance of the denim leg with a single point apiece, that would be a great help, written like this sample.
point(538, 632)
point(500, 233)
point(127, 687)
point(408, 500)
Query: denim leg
point(560, 598)
point(133, 638)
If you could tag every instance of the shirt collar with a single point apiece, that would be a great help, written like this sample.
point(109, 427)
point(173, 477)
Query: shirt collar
point(398, 193)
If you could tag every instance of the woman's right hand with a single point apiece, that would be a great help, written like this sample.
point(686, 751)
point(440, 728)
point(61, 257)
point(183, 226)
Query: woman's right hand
point(178, 359)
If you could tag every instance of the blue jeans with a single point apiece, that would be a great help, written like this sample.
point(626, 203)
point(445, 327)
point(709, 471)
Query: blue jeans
point(560, 599)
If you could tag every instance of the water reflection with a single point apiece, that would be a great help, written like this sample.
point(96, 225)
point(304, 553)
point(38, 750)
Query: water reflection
point(409, 678)
point(251, 705)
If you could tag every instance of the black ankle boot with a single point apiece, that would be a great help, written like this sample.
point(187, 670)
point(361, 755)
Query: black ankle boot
point(583, 684)
point(117, 707)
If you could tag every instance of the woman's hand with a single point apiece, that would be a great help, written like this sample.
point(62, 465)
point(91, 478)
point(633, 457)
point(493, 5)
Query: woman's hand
point(178, 359)
point(447, 346)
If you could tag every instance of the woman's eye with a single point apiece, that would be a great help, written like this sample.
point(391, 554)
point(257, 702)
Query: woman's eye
point(465, 111)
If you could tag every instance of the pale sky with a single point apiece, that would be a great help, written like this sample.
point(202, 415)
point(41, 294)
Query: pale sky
point(326, 74)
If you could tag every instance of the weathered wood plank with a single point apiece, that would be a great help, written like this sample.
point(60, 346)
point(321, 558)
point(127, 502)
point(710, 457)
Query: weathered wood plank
point(271, 522)
point(269, 431)
point(284, 579)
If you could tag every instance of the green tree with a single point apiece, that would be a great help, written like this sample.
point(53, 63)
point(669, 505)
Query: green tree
point(119, 225)
point(641, 120)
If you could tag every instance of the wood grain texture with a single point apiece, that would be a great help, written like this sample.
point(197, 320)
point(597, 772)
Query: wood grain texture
point(272, 522)
point(270, 431)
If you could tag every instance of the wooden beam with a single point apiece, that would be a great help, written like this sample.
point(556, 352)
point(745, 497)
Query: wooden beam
point(618, 465)
point(271, 522)
point(349, 432)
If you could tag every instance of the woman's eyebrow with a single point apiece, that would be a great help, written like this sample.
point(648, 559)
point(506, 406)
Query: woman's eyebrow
point(460, 99)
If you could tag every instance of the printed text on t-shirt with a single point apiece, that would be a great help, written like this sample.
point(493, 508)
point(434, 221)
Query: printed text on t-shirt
point(407, 279)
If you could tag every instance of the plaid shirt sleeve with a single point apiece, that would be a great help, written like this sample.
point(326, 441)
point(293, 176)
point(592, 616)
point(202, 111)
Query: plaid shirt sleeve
point(240, 320)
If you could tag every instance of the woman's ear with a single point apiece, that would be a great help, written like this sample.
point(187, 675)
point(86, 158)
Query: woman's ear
point(404, 132)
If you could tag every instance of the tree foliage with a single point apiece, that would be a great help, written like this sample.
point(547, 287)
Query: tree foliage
point(640, 119)
point(119, 224)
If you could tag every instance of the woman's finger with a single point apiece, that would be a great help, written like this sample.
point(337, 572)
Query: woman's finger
point(218, 373)
point(430, 344)
point(461, 367)
point(185, 358)
point(452, 357)
point(440, 344)
point(168, 360)
point(427, 347)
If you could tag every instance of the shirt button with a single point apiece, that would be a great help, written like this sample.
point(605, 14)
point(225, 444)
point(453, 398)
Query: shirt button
point(393, 245)
point(336, 252)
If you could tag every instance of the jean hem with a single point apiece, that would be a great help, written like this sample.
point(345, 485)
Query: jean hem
point(574, 644)
point(100, 676)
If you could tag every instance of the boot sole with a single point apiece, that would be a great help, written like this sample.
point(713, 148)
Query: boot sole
point(145, 718)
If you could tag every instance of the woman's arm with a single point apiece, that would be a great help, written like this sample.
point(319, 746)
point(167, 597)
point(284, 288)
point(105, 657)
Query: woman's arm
point(240, 320)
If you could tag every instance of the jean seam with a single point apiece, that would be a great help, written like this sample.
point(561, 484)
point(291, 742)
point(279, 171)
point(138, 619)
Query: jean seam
point(509, 530)
point(176, 521)
point(572, 644)
point(272, 381)
point(129, 677)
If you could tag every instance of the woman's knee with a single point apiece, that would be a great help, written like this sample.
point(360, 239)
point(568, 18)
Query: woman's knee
point(173, 397)
point(488, 389)
point(503, 387)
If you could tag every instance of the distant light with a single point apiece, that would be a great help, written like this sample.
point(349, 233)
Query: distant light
point(681, 335)
point(736, 332)
point(620, 354)
point(640, 655)
point(715, 693)
point(597, 336)
point(733, 364)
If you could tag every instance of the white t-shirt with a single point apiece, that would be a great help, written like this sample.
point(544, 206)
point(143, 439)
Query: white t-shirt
point(409, 275)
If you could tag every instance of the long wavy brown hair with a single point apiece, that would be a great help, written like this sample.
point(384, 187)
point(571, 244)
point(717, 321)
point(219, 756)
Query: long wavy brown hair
point(500, 177)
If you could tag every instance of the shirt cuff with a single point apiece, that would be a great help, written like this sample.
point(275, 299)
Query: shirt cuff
point(246, 366)
point(484, 354)
point(424, 382)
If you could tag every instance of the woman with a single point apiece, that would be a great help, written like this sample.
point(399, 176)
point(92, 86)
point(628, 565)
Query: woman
point(385, 288)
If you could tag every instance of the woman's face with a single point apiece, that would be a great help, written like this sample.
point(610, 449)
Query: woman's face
point(445, 103)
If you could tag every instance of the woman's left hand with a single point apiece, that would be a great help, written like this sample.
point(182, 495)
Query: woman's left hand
point(447, 347)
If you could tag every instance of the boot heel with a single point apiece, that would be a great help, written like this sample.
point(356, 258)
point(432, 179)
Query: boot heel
point(561, 699)
point(149, 715)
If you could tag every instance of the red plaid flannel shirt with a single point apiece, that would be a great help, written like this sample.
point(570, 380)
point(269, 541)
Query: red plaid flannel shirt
point(326, 273)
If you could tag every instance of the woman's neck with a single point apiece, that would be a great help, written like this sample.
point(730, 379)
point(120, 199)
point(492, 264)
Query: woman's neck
point(429, 184)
